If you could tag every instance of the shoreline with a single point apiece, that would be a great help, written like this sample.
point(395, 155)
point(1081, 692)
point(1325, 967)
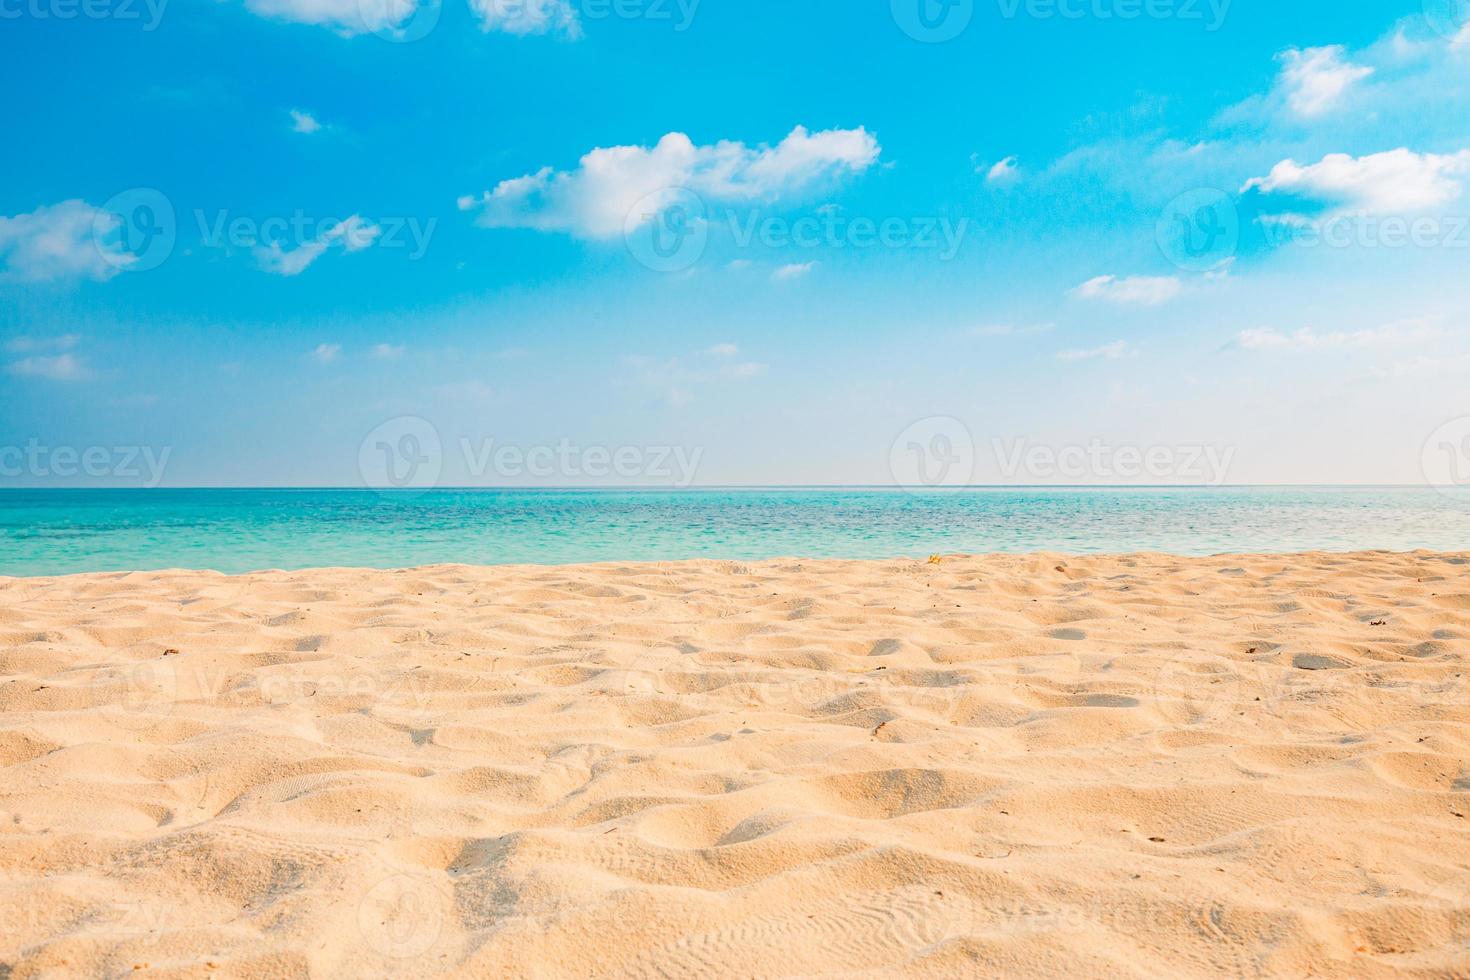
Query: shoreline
point(693, 563)
point(1036, 764)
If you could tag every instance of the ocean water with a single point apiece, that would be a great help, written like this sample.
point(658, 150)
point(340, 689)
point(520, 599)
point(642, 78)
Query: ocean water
point(52, 532)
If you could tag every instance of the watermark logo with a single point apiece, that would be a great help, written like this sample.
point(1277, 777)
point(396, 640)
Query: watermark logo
point(1448, 17)
point(147, 12)
point(668, 230)
point(933, 453)
point(402, 917)
point(136, 696)
point(1446, 456)
point(933, 21)
point(1199, 230)
point(400, 21)
point(403, 453)
point(135, 231)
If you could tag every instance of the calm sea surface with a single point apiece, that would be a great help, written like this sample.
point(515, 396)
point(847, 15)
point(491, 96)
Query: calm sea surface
point(49, 532)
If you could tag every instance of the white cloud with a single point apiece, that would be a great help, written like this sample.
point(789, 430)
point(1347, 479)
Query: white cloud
point(1133, 290)
point(303, 122)
point(746, 369)
point(1316, 79)
point(1003, 172)
point(723, 350)
point(528, 17)
point(627, 186)
point(346, 17)
point(353, 235)
point(1008, 329)
point(1306, 339)
point(795, 270)
point(26, 345)
point(62, 241)
point(1108, 352)
point(1393, 182)
point(326, 353)
point(387, 352)
point(62, 367)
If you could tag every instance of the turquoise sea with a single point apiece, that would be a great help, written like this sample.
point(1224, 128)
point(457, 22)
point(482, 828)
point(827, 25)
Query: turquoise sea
point(51, 532)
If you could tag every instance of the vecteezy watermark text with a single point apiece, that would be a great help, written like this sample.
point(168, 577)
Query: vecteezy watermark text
point(676, 465)
point(1211, 13)
point(1363, 229)
point(221, 230)
point(829, 228)
point(669, 230)
point(147, 12)
point(1098, 460)
point(940, 451)
point(142, 464)
point(937, 21)
point(407, 453)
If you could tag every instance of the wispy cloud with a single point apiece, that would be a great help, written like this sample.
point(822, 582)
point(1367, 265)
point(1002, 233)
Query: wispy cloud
point(619, 187)
point(1132, 290)
point(303, 122)
point(1107, 352)
point(1306, 339)
point(61, 367)
point(745, 369)
point(795, 270)
point(353, 235)
point(723, 350)
point(326, 353)
point(1008, 329)
point(387, 352)
point(27, 345)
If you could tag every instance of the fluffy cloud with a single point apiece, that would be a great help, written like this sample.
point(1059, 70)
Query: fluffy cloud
point(627, 186)
point(350, 18)
point(326, 353)
point(353, 235)
point(1394, 182)
point(528, 17)
point(62, 241)
point(1316, 79)
point(1132, 291)
point(346, 17)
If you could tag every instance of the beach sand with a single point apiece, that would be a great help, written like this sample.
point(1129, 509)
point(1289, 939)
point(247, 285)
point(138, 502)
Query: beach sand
point(1135, 766)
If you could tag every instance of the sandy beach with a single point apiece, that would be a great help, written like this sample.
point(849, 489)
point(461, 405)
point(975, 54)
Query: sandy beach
point(1025, 766)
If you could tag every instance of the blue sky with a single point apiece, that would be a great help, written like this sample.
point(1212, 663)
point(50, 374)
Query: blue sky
point(789, 238)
